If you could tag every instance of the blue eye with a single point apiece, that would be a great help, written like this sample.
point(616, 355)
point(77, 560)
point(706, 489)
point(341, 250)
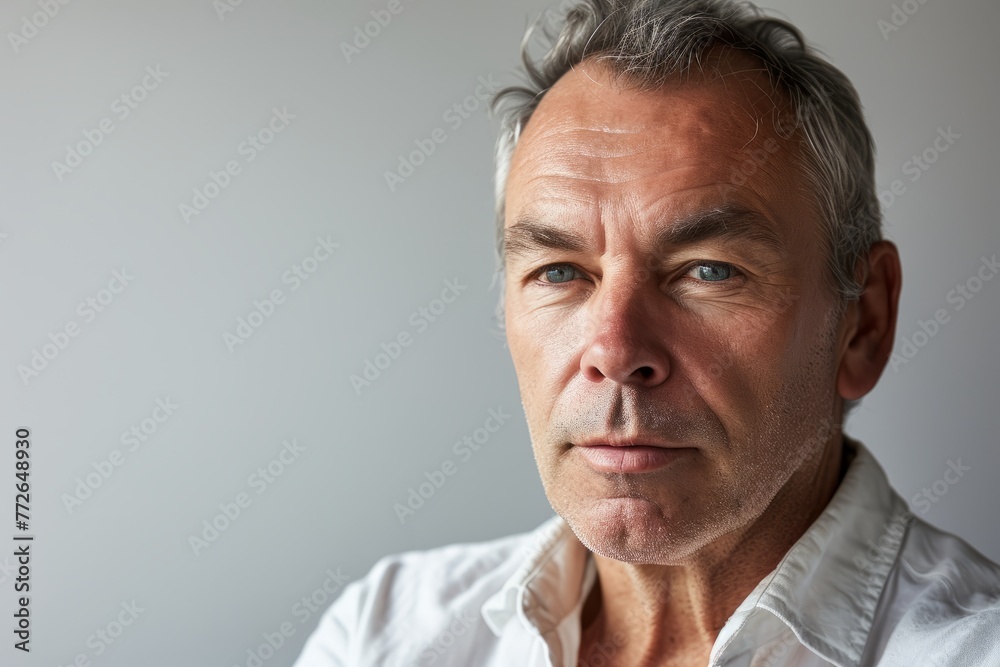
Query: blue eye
point(714, 271)
point(558, 273)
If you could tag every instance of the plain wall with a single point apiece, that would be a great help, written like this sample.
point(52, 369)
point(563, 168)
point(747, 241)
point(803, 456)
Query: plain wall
point(162, 336)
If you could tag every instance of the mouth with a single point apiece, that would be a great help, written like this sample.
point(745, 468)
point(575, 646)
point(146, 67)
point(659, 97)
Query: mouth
point(626, 456)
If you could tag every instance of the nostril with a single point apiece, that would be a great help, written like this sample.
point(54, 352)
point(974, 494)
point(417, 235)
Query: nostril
point(646, 372)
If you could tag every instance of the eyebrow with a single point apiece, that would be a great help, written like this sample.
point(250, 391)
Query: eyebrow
point(727, 222)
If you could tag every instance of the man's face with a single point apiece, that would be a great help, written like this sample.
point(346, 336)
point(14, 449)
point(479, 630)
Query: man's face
point(718, 347)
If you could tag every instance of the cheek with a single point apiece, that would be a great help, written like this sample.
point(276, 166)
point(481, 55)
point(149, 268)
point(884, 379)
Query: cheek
point(732, 360)
point(543, 351)
point(736, 368)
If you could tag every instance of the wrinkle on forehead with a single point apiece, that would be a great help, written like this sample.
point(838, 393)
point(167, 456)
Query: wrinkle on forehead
point(599, 142)
point(603, 112)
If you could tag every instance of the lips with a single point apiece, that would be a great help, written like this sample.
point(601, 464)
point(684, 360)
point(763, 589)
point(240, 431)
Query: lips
point(619, 441)
point(629, 456)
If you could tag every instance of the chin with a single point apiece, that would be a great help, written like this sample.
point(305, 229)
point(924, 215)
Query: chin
point(632, 530)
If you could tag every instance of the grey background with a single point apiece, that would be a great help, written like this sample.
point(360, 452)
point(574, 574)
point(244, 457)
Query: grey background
point(161, 337)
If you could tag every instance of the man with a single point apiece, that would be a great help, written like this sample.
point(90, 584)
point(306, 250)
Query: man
point(696, 290)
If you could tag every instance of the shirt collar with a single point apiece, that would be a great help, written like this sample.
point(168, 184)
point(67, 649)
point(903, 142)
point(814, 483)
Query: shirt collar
point(825, 589)
point(547, 584)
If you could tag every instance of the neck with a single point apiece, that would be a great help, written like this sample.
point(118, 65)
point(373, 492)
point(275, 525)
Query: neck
point(672, 614)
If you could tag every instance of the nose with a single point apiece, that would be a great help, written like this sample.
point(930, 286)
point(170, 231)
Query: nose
point(625, 338)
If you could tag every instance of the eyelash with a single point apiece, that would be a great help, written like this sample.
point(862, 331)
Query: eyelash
point(736, 273)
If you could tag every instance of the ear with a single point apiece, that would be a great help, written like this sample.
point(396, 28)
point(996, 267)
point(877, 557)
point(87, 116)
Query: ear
point(869, 326)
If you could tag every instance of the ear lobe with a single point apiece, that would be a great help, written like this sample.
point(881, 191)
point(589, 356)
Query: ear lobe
point(872, 331)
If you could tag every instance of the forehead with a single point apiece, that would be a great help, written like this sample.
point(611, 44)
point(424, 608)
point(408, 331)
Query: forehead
point(594, 143)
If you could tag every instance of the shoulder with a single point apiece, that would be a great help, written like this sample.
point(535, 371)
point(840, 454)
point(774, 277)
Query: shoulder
point(408, 599)
point(944, 600)
point(943, 569)
point(433, 579)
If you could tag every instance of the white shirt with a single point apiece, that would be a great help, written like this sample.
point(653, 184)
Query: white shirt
point(868, 584)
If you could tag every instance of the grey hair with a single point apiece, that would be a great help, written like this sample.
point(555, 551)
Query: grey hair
point(647, 41)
